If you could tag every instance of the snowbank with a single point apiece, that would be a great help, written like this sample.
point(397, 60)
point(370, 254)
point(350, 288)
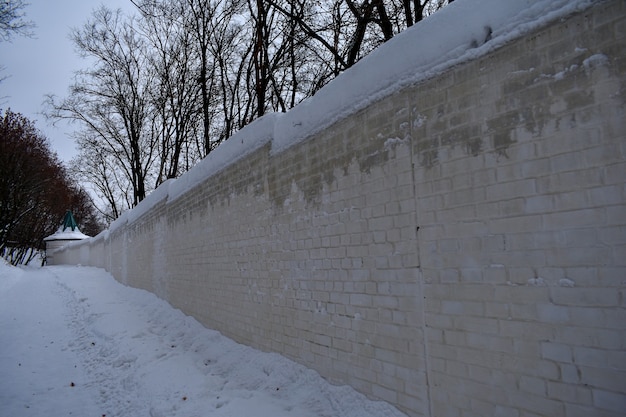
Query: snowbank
point(9, 275)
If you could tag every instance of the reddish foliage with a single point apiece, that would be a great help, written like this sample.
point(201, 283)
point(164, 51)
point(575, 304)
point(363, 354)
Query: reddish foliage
point(35, 189)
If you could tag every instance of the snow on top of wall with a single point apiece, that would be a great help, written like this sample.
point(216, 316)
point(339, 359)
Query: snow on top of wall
point(461, 31)
point(247, 140)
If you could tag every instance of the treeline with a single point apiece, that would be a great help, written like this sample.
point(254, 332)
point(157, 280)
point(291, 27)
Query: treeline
point(169, 83)
point(35, 191)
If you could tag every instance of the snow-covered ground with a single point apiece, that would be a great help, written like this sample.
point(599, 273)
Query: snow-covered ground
point(75, 342)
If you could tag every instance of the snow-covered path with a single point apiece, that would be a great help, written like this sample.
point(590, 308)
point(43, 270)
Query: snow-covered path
point(36, 364)
point(74, 342)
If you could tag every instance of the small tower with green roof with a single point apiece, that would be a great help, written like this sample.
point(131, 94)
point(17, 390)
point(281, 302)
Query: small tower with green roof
point(67, 232)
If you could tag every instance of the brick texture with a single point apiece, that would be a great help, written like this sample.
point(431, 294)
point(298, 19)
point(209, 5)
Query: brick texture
point(457, 248)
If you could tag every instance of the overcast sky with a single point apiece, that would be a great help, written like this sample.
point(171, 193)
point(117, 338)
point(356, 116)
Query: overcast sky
point(45, 63)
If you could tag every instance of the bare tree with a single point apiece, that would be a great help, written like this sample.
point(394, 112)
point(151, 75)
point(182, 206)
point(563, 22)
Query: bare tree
point(202, 12)
point(223, 48)
point(12, 22)
point(170, 85)
point(230, 49)
point(12, 19)
point(340, 32)
point(111, 99)
point(176, 96)
point(97, 169)
point(259, 12)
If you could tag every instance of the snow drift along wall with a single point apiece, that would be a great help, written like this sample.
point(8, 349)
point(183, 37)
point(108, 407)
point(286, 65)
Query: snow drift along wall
point(455, 245)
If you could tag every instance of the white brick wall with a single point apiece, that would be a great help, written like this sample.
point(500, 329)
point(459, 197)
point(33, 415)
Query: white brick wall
point(477, 268)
